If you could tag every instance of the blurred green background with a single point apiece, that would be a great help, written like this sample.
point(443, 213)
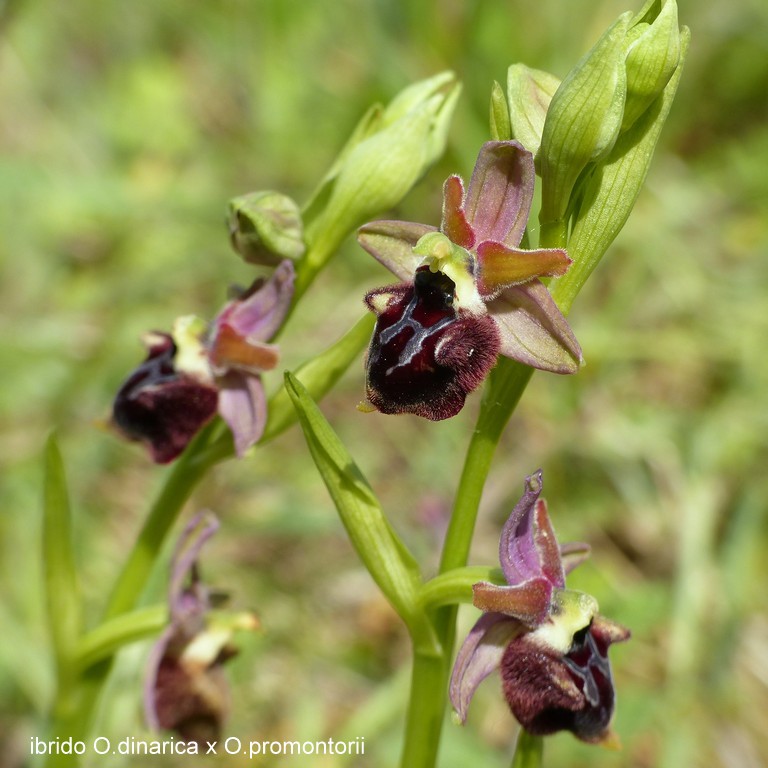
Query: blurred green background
point(124, 130)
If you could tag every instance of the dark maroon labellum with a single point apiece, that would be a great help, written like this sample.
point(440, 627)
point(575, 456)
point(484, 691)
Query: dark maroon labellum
point(426, 355)
point(536, 686)
point(161, 406)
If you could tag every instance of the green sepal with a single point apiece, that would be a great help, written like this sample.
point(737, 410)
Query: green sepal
point(397, 148)
point(501, 127)
point(529, 92)
point(60, 572)
point(265, 227)
point(388, 560)
point(610, 195)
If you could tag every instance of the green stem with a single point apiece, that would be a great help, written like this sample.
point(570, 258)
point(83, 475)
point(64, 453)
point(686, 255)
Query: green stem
point(427, 703)
point(501, 395)
point(529, 750)
point(186, 473)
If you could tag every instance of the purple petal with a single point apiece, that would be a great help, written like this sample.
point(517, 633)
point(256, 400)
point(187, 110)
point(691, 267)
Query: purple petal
point(529, 602)
point(243, 405)
point(480, 655)
point(533, 330)
point(194, 536)
point(259, 313)
point(500, 192)
point(528, 548)
point(391, 243)
point(156, 655)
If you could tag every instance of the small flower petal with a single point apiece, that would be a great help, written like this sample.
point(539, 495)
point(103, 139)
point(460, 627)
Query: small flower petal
point(500, 267)
point(479, 656)
point(533, 330)
point(455, 224)
point(529, 601)
point(260, 311)
point(573, 554)
point(500, 192)
point(391, 244)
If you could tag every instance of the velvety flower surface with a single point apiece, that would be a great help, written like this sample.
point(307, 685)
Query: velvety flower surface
point(197, 371)
point(469, 293)
point(186, 690)
point(549, 642)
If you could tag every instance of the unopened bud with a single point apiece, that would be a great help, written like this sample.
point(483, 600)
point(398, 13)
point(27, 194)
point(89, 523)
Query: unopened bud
point(583, 120)
point(265, 227)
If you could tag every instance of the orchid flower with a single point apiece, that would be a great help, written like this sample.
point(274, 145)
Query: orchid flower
point(186, 690)
point(196, 371)
point(548, 641)
point(469, 293)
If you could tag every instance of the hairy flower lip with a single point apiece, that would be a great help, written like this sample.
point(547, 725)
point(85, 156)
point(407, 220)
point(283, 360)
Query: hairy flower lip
point(548, 641)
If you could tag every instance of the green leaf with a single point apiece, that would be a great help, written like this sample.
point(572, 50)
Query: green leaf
point(106, 639)
point(318, 375)
point(61, 582)
point(381, 550)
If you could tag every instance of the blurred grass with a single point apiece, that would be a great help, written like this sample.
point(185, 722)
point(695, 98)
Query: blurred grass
point(125, 130)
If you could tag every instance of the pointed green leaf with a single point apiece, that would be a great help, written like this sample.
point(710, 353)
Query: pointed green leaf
point(110, 636)
point(386, 557)
point(61, 582)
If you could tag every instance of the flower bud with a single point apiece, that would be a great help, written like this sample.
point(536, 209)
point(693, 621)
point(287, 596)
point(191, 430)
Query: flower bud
point(529, 92)
point(265, 227)
point(653, 52)
point(583, 119)
point(380, 169)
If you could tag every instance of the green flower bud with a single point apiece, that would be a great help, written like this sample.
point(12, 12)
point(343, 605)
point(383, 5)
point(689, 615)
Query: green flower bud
point(653, 51)
point(265, 227)
point(379, 170)
point(608, 197)
point(529, 92)
point(583, 120)
point(395, 150)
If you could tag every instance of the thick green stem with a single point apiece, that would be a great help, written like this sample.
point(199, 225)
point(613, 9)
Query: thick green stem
point(186, 473)
point(426, 708)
